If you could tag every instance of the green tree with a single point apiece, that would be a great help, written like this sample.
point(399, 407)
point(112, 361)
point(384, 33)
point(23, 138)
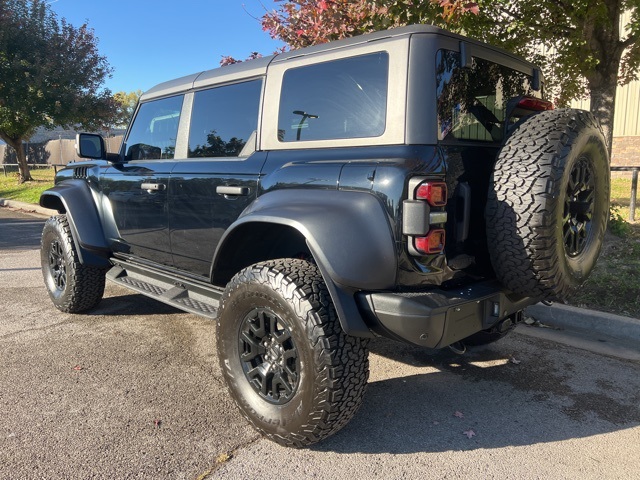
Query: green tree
point(125, 106)
point(580, 45)
point(50, 75)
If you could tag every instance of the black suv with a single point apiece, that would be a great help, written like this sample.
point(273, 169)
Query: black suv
point(411, 184)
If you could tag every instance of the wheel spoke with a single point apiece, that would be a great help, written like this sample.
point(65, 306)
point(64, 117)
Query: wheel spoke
point(279, 381)
point(258, 326)
point(252, 347)
point(291, 374)
point(282, 336)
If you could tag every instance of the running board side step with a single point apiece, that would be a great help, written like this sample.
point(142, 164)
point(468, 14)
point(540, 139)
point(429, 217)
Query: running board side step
point(185, 294)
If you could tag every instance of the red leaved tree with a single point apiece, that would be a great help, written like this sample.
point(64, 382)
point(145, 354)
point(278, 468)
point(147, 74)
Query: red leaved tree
point(301, 23)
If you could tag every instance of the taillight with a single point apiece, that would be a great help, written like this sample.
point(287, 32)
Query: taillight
point(435, 193)
point(424, 216)
point(535, 104)
point(432, 243)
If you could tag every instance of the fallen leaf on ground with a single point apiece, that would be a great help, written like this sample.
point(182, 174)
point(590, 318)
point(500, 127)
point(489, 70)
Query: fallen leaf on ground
point(223, 457)
point(469, 433)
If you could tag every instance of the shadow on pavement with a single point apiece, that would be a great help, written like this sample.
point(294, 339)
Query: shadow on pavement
point(132, 304)
point(499, 402)
point(20, 233)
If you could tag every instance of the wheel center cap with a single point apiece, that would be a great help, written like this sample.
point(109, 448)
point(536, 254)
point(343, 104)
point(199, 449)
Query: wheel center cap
point(274, 354)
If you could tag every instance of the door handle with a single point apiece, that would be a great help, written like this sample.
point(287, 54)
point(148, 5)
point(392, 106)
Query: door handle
point(230, 190)
point(150, 187)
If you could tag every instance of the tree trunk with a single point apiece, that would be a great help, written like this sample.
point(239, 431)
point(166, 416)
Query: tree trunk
point(603, 102)
point(24, 174)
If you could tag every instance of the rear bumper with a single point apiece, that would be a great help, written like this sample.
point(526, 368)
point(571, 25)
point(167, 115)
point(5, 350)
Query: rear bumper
point(438, 318)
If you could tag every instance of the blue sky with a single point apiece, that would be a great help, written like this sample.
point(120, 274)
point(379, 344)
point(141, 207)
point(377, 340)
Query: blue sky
point(148, 42)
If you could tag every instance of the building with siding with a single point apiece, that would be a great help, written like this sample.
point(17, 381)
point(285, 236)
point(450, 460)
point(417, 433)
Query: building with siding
point(626, 123)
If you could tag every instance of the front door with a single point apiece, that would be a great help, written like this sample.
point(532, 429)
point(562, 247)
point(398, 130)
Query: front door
point(136, 191)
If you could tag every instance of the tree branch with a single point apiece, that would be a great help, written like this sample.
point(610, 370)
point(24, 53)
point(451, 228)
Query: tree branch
point(633, 39)
point(565, 32)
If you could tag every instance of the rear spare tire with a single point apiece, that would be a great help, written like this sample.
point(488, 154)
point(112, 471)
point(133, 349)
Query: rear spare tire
point(548, 204)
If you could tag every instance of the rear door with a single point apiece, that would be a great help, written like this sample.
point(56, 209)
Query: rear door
point(211, 187)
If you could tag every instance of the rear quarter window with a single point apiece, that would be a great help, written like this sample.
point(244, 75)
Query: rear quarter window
point(344, 98)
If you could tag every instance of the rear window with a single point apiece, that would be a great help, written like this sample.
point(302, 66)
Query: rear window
point(473, 101)
point(344, 98)
point(224, 119)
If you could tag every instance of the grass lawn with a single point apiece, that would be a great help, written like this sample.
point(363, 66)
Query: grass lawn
point(613, 287)
point(28, 192)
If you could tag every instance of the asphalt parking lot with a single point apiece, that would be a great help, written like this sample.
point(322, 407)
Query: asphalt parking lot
point(133, 390)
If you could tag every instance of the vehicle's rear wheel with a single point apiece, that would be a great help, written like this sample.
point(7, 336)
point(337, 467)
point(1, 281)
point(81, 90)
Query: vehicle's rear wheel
point(291, 369)
point(72, 286)
point(548, 204)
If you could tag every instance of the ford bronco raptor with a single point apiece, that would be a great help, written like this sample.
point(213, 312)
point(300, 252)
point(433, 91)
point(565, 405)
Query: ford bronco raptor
point(411, 184)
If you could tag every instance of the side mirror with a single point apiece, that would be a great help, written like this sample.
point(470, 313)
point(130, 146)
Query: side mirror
point(90, 145)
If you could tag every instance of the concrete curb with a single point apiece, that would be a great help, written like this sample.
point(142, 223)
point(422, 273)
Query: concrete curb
point(27, 207)
point(587, 321)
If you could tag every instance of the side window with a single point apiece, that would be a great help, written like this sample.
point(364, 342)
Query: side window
point(473, 101)
point(154, 130)
point(344, 98)
point(224, 119)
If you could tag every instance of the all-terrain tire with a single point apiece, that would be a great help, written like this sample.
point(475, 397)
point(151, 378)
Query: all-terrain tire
point(548, 204)
point(294, 374)
point(72, 286)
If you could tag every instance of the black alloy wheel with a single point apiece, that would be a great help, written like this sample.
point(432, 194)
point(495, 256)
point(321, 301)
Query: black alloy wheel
point(578, 208)
point(268, 356)
point(57, 266)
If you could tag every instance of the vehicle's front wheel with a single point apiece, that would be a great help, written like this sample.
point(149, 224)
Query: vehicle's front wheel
point(72, 286)
point(295, 375)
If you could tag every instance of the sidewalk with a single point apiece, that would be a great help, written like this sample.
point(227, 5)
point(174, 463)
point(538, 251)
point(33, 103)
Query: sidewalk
point(27, 207)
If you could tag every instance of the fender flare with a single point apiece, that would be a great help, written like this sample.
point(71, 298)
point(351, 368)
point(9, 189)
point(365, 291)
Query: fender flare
point(74, 199)
point(348, 234)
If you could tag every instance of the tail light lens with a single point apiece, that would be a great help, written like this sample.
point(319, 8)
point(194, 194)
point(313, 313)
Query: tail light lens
point(435, 193)
point(432, 243)
point(535, 104)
